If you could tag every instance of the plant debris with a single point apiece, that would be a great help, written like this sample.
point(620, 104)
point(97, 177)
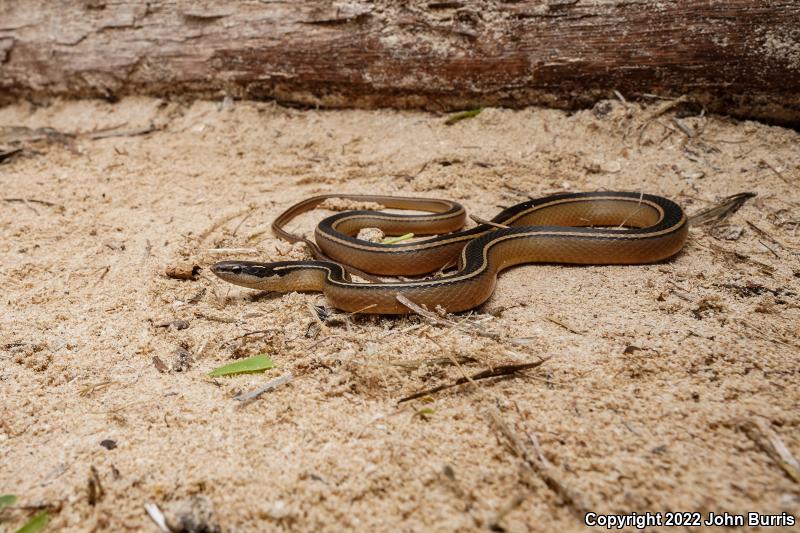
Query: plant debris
point(463, 115)
point(257, 363)
point(501, 370)
point(185, 271)
point(722, 210)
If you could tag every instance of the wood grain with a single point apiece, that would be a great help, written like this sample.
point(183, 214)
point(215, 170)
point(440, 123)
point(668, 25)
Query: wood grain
point(740, 57)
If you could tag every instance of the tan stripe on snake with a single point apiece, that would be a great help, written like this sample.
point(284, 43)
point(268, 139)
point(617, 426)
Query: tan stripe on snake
point(598, 228)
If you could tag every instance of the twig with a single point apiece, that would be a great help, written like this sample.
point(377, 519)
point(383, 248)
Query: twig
point(247, 334)
point(545, 472)
point(223, 319)
point(125, 133)
point(416, 363)
point(239, 225)
point(32, 201)
point(776, 171)
point(657, 112)
point(663, 108)
point(769, 441)
point(775, 337)
point(762, 243)
point(567, 327)
point(480, 220)
point(224, 220)
point(8, 153)
point(502, 370)
point(270, 385)
point(764, 234)
point(232, 250)
point(515, 502)
point(684, 128)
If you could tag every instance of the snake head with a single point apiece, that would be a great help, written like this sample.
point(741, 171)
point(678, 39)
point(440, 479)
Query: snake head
point(262, 276)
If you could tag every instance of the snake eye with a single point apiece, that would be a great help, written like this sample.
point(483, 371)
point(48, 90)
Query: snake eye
point(236, 269)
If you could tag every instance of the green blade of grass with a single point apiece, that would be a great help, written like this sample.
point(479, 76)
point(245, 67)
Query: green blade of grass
point(425, 413)
point(257, 363)
point(35, 524)
point(6, 500)
point(458, 117)
point(395, 240)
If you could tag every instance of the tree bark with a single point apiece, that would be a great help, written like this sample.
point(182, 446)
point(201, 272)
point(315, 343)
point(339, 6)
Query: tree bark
point(740, 57)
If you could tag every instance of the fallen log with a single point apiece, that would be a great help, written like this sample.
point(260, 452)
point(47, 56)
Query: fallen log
point(740, 57)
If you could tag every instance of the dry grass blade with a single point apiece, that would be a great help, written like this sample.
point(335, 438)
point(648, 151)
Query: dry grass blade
point(724, 209)
point(437, 320)
point(769, 441)
point(502, 370)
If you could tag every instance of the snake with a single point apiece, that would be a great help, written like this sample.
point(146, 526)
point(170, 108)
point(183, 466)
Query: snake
point(583, 228)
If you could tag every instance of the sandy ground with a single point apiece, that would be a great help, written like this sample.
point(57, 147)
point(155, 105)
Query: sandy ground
point(669, 386)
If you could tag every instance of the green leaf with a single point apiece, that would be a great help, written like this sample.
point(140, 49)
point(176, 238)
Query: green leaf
point(35, 524)
point(395, 240)
point(257, 363)
point(425, 413)
point(458, 117)
point(6, 500)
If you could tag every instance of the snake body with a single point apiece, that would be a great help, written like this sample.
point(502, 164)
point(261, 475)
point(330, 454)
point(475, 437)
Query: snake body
point(598, 228)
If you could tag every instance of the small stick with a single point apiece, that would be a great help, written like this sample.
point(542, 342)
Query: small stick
point(567, 327)
point(8, 153)
point(776, 171)
point(441, 321)
point(663, 108)
point(224, 220)
point(223, 319)
point(769, 441)
point(32, 201)
point(684, 128)
point(545, 472)
point(247, 334)
point(156, 516)
point(127, 133)
point(239, 225)
point(270, 385)
point(762, 243)
point(515, 502)
point(398, 239)
point(480, 220)
point(231, 251)
point(503, 370)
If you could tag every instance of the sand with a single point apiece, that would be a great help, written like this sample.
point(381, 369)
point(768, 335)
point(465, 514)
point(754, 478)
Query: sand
point(668, 387)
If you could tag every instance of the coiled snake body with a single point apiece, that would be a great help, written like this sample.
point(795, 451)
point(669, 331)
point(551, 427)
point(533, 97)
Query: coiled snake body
point(597, 228)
